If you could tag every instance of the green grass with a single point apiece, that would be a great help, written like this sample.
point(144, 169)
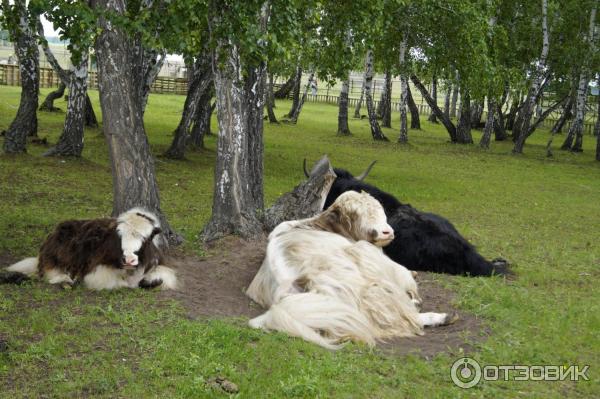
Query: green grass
point(542, 214)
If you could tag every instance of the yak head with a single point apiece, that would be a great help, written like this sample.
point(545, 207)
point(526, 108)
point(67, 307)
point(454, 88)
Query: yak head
point(360, 217)
point(137, 228)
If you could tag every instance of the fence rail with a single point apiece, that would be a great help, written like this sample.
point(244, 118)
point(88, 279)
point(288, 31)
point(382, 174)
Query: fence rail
point(10, 75)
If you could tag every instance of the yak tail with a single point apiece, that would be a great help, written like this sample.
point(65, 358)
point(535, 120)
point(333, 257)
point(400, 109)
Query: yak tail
point(19, 272)
point(323, 320)
point(27, 266)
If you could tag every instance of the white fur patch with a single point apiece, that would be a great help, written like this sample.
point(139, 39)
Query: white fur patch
point(432, 319)
point(27, 266)
point(106, 278)
point(165, 274)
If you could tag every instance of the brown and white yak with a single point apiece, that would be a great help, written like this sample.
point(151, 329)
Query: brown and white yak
point(326, 279)
point(104, 253)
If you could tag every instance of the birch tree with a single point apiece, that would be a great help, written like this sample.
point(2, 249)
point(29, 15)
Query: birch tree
point(20, 22)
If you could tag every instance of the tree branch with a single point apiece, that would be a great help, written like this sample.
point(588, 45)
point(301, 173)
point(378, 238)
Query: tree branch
point(65, 76)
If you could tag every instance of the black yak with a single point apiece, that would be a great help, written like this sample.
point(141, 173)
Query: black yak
point(423, 241)
point(102, 254)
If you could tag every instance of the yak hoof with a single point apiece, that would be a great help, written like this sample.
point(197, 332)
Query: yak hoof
point(451, 318)
point(145, 284)
point(66, 286)
point(500, 262)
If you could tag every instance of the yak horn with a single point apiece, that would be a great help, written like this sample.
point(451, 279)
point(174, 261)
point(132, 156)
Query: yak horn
point(366, 172)
point(304, 166)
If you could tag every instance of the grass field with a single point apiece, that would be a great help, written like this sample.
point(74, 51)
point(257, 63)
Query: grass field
point(541, 214)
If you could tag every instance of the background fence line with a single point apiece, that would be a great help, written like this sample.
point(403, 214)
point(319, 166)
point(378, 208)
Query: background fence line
point(10, 75)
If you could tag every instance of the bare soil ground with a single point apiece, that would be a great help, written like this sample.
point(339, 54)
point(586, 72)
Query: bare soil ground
point(214, 287)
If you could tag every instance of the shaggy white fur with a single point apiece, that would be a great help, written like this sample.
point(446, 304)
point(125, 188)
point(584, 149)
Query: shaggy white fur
point(327, 288)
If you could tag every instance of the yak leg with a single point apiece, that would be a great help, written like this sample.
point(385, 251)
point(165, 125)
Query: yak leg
point(54, 276)
point(431, 319)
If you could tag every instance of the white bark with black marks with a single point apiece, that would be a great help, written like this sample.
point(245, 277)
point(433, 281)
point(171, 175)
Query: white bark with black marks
point(403, 138)
point(238, 191)
point(375, 129)
point(577, 125)
point(25, 44)
point(70, 142)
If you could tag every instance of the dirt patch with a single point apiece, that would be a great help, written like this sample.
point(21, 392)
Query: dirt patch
point(463, 334)
point(214, 287)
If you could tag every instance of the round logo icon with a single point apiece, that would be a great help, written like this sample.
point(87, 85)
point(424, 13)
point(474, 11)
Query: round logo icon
point(465, 372)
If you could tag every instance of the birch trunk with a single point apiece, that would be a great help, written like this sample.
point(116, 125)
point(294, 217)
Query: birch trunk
point(450, 128)
point(343, 129)
point(577, 125)
point(296, 91)
point(238, 191)
point(25, 122)
point(48, 104)
point(286, 88)
point(597, 128)
point(270, 100)
point(70, 142)
point(360, 100)
point(198, 86)
point(375, 129)
point(454, 97)
point(403, 138)
point(447, 96)
point(132, 164)
point(415, 120)
point(432, 118)
point(463, 130)
point(296, 112)
point(489, 124)
point(523, 122)
point(201, 127)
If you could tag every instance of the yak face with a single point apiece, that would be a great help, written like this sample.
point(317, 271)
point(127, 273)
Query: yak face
point(362, 217)
point(136, 227)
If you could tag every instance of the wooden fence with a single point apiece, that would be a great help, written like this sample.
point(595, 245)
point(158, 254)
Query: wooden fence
point(9, 75)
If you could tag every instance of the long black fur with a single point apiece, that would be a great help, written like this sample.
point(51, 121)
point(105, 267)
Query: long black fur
point(423, 241)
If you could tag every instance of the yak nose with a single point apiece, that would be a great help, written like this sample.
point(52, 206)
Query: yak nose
point(129, 260)
point(387, 234)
